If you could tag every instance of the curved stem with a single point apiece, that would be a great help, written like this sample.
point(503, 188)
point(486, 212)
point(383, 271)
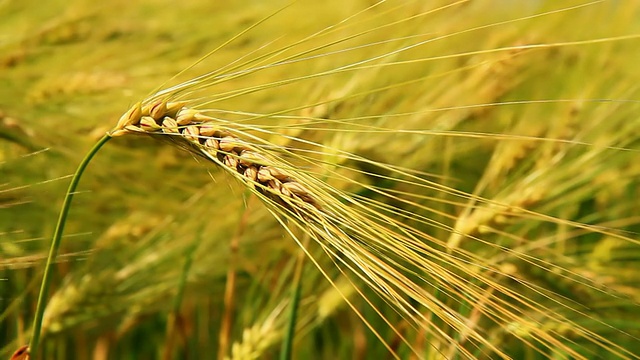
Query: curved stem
point(55, 245)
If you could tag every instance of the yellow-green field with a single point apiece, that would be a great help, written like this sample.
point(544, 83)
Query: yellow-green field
point(450, 179)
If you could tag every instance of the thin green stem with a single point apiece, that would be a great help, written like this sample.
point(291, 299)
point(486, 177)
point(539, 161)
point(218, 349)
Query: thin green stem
point(55, 245)
point(184, 276)
point(174, 316)
point(287, 344)
point(230, 286)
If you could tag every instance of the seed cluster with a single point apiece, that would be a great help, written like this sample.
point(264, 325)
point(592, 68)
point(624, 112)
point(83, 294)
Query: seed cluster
point(199, 130)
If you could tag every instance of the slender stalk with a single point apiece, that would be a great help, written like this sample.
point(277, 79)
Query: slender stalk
point(230, 287)
point(174, 315)
point(296, 287)
point(55, 245)
point(177, 301)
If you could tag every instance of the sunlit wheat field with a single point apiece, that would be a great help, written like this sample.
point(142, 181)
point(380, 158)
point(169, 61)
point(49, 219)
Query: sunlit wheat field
point(320, 179)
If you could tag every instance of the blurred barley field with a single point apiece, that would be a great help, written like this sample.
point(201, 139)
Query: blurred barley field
point(474, 170)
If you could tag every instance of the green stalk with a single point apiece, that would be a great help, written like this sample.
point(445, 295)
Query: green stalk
point(55, 245)
point(287, 344)
point(177, 301)
point(190, 251)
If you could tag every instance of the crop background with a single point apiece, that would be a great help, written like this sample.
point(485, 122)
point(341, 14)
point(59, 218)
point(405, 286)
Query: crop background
point(69, 69)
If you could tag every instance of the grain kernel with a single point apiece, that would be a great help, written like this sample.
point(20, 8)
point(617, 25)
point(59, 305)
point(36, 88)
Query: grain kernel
point(174, 107)
point(169, 126)
point(131, 117)
point(231, 161)
point(186, 116)
point(147, 123)
point(158, 110)
point(192, 133)
point(251, 173)
point(209, 130)
point(212, 143)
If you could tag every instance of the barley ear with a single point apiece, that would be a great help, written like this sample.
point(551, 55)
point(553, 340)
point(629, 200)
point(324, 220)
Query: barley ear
point(160, 117)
